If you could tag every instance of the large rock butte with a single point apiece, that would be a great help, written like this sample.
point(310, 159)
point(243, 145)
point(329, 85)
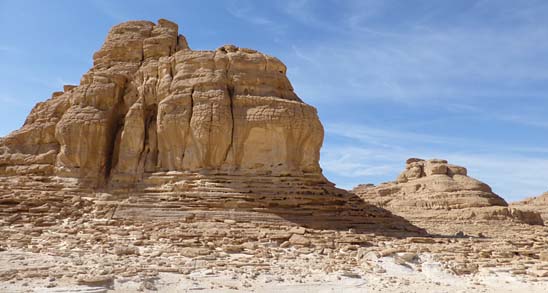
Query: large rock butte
point(150, 104)
point(433, 190)
point(155, 129)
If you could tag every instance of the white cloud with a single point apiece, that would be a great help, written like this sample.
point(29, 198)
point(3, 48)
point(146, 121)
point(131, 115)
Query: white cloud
point(110, 9)
point(414, 61)
point(249, 12)
point(10, 100)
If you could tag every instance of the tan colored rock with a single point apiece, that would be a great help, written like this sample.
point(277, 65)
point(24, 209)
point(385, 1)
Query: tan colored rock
point(432, 184)
point(297, 239)
point(151, 104)
point(543, 256)
point(434, 189)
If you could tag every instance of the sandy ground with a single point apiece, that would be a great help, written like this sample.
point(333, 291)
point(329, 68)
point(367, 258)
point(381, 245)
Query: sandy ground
point(389, 276)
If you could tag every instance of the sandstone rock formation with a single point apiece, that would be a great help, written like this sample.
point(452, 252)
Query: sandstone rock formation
point(538, 204)
point(151, 104)
point(155, 129)
point(434, 189)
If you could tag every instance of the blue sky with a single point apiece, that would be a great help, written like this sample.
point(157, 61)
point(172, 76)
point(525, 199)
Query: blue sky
point(465, 81)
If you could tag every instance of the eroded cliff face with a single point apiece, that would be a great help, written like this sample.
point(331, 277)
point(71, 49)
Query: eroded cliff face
point(151, 104)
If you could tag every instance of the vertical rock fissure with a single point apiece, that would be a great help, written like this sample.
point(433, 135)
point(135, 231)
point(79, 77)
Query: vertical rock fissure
point(230, 89)
point(142, 154)
point(150, 119)
point(116, 127)
point(118, 113)
point(189, 132)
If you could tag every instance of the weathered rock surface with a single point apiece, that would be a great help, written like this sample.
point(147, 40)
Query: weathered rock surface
point(433, 189)
point(151, 104)
point(537, 204)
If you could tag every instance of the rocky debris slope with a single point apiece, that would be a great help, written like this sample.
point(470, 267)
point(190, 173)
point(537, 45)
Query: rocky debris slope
point(538, 204)
point(435, 190)
point(106, 253)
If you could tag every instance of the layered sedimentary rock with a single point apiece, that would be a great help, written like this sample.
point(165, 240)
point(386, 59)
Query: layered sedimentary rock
point(538, 204)
point(156, 130)
point(436, 189)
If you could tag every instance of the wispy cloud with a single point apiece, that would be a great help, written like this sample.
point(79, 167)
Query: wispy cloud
point(110, 9)
point(393, 138)
point(245, 12)
point(249, 12)
point(422, 67)
point(10, 100)
point(6, 48)
point(416, 58)
point(525, 120)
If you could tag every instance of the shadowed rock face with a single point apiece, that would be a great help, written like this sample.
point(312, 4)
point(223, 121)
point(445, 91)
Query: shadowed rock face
point(151, 104)
point(156, 130)
point(436, 189)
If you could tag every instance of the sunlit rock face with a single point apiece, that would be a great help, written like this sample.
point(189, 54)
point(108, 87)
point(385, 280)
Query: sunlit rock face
point(151, 104)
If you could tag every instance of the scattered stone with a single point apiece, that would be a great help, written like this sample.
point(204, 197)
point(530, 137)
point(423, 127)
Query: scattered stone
point(349, 274)
point(297, 239)
point(194, 251)
point(409, 257)
point(96, 280)
point(544, 256)
point(126, 250)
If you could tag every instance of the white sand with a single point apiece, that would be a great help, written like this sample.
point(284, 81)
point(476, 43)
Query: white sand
point(390, 277)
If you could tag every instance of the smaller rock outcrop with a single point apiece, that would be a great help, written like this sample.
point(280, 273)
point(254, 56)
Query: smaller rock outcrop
point(538, 204)
point(434, 188)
